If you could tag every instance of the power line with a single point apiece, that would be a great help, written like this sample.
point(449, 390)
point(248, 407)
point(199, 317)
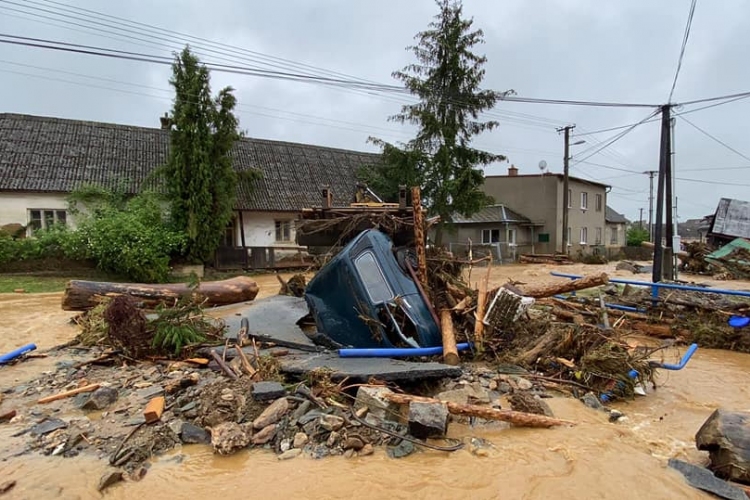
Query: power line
point(617, 137)
point(730, 148)
point(682, 49)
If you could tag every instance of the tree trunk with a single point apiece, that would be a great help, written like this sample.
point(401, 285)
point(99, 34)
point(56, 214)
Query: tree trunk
point(82, 295)
point(566, 286)
point(450, 352)
point(652, 330)
point(485, 412)
point(419, 236)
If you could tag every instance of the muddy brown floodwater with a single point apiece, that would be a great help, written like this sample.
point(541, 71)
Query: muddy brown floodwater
point(595, 459)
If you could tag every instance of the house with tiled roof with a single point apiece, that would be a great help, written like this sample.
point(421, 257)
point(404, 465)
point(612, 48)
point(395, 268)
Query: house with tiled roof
point(617, 226)
point(44, 159)
point(496, 228)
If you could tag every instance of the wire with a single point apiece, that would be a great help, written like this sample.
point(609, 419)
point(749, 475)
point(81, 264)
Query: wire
point(730, 148)
point(617, 137)
point(684, 45)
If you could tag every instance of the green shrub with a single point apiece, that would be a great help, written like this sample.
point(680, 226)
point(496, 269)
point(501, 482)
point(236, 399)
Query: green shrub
point(55, 242)
point(636, 235)
point(135, 242)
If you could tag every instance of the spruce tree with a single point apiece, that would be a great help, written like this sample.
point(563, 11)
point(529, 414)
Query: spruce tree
point(199, 175)
point(446, 77)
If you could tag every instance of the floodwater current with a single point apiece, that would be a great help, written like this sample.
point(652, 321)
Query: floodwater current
point(592, 460)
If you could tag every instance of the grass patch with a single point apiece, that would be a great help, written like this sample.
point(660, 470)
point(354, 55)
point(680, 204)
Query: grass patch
point(32, 284)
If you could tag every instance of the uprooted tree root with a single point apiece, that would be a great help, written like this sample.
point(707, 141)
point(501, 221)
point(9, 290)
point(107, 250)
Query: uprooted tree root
point(119, 322)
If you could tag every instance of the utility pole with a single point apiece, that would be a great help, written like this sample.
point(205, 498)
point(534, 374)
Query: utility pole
point(640, 219)
point(651, 174)
point(566, 175)
point(664, 177)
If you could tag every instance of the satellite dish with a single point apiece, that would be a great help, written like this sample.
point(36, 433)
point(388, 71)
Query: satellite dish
point(542, 165)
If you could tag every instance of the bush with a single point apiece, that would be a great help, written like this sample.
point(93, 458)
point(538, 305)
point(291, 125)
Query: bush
point(135, 242)
point(56, 242)
point(636, 235)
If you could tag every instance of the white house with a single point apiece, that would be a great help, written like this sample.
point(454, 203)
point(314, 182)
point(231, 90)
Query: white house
point(43, 159)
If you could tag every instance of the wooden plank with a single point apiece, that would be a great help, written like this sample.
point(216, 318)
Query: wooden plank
point(67, 394)
point(154, 409)
point(450, 351)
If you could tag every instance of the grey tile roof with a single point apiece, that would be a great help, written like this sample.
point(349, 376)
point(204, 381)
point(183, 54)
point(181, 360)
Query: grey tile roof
point(611, 216)
point(41, 154)
point(732, 218)
point(490, 214)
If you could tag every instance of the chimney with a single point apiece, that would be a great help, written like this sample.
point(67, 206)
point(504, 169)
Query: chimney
point(512, 171)
point(166, 122)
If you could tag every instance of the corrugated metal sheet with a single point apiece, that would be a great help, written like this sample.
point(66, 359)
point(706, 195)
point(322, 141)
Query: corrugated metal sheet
point(732, 218)
point(491, 214)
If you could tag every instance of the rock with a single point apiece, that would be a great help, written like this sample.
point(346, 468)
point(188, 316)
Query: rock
point(272, 414)
point(492, 385)
point(109, 478)
point(285, 445)
point(302, 409)
point(192, 434)
point(349, 453)
point(523, 384)
point(624, 265)
point(264, 435)
point(615, 415)
point(366, 450)
point(47, 426)
point(150, 392)
point(405, 448)
point(703, 479)
point(427, 420)
point(333, 439)
point(293, 453)
point(726, 437)
point(373, 398)
point(503, 387)
point(229, 437)
point(330, 422)
point(527, 402)
point(354, 442)
point(468, 394)
point(590, 400)
point(300, 440)
point(309, 417)
point(267, 391)
point(100, 399)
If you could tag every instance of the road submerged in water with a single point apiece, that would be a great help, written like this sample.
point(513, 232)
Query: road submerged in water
point(595, 459)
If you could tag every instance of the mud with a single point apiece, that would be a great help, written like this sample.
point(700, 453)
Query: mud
point(595, 459)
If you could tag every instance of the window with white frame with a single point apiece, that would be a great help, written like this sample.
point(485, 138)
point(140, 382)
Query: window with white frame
point(584, 200)
point(283, 231)
point(46, 218)
point(599, 202)
point(511, 236)
point(614, 236)
point(584, 235)
point(598, 236)
point(490, 236)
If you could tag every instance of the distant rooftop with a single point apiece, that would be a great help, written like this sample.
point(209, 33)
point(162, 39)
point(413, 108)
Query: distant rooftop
point(610, 215)
point(492, 213)
point(732, 219)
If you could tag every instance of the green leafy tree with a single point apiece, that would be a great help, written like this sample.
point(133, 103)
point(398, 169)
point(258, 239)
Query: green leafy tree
point(199, 175)
point(636, 235)
point(447, 80)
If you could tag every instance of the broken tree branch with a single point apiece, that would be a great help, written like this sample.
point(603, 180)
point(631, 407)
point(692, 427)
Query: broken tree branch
point(487, 413)
point(566, 286)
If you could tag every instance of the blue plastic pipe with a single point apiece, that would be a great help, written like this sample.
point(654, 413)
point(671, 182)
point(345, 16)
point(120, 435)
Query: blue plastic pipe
point(685, 358)
point(10, 356)
point(672, 286)
point(396, 352)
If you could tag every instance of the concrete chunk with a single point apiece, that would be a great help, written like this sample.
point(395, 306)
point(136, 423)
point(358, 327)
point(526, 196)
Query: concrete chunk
point(373, 398)
point(272, 414)
point(427, 420)
point(267, 391)
point(726, 437)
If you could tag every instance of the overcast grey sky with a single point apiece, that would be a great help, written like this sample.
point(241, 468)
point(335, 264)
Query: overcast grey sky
point(594, 50)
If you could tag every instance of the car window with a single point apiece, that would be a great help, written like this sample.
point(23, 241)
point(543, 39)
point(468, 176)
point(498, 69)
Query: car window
point(371, 275)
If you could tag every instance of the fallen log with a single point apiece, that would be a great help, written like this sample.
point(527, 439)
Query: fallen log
point(450, 351)
point(568, 316)
point(485, 412)
point(652, 330)
point(83, 295)
point(682, 255)
point(553, 289)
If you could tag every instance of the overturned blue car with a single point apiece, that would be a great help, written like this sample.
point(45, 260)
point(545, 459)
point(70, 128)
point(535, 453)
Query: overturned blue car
point(366, 297)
